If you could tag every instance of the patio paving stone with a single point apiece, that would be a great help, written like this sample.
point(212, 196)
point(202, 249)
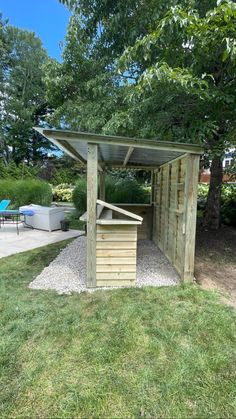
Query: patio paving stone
point(11, 243)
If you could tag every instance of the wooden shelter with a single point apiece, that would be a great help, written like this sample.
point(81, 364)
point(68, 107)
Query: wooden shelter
point(112, 230)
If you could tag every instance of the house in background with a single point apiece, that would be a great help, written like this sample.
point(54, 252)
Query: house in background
point(228, 160)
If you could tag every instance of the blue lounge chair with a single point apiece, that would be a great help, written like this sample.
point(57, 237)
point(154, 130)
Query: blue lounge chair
point(4, 204)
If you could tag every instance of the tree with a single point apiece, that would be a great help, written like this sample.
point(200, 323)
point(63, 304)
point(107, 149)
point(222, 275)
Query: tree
point(4, 63)
point(190, 61)
point(170, 68)
point(22, 96)
point(84, 89)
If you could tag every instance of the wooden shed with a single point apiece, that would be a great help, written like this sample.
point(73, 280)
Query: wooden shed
point(113, 230)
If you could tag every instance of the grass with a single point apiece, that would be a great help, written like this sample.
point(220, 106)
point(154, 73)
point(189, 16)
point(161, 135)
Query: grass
point(167, 352)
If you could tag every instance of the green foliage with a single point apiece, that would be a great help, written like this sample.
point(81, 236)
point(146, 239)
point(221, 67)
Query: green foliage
point(73, 218)
point(127, 190)
point(187, 84)
point(165, 352)
point(164, 69)
point(228, 202)
point(65, 170)
point(24, 192)
point(62, 175)
point(23, 102)
point(62, 192)
point(119, 190)
point(20, 171)
point(79, 196)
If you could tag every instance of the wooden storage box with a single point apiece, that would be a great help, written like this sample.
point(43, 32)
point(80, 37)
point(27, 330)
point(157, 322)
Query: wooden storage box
point(116, 245)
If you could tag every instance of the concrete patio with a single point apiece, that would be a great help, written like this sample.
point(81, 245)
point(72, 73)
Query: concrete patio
point(11, 243)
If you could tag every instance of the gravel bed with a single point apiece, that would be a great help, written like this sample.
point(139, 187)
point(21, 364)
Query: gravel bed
point(67, 273)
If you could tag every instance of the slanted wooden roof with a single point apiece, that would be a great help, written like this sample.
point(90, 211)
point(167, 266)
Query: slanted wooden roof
point(116, 151)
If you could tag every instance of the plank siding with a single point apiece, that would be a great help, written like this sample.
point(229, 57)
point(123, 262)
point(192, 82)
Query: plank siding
point(174, 212)
point(116, 255)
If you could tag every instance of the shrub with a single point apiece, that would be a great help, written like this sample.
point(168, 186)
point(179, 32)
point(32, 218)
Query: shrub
point(79, 196)
point(118, 190)
point(62, 192)
point(228, 202)
point(202, 196)
point(14, 171)
point(126, 191)
point(24, 192)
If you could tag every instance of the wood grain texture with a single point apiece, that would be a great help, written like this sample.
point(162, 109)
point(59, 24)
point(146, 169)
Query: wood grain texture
point(116, 228)
point(116, 268)
point(191, 183)
point(91, 214)
point(110, 221)
point(111, 276)
point(174, 215)
point(116, 260)
point(102, 189)
point(121, 211)
point(116, 245)
point(117, 237)
point(116, 253)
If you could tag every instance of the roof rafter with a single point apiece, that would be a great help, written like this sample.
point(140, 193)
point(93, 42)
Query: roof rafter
point(128, 154)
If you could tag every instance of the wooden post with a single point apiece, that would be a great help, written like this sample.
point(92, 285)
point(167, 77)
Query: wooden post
point(167, 206)
point(152, 202)
point(102, 189)
point(191, 184)
point(92, 167)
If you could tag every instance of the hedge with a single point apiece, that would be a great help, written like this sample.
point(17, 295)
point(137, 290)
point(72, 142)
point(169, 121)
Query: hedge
point(25, 192)
point(228, 202)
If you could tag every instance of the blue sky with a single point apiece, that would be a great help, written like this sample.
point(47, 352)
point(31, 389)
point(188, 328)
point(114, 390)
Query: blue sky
point(47, 18)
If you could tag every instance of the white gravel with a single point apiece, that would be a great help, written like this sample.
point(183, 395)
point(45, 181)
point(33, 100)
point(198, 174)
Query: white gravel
point(67, 273)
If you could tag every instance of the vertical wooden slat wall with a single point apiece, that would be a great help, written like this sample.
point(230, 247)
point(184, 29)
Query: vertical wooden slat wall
point(174, 213)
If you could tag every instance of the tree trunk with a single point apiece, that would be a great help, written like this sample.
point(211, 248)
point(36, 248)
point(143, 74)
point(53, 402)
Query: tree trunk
point(212, 213)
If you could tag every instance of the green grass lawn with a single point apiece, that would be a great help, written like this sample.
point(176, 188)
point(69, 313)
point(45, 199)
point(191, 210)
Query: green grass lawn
point(167, 352)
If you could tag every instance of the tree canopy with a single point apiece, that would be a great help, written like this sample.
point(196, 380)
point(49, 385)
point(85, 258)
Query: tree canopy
point(161, 69)
point(22, 93)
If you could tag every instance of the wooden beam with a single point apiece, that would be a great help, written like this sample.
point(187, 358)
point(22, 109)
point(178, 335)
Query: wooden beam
point(166, 212)
point(128, 154)
point(102, 186)
point(92, 167)
point(120, 210)
point(190, 197)
point(118, 222)
point(100, 168)
point(152, 188)
point(131, 166)
point(68, 148)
